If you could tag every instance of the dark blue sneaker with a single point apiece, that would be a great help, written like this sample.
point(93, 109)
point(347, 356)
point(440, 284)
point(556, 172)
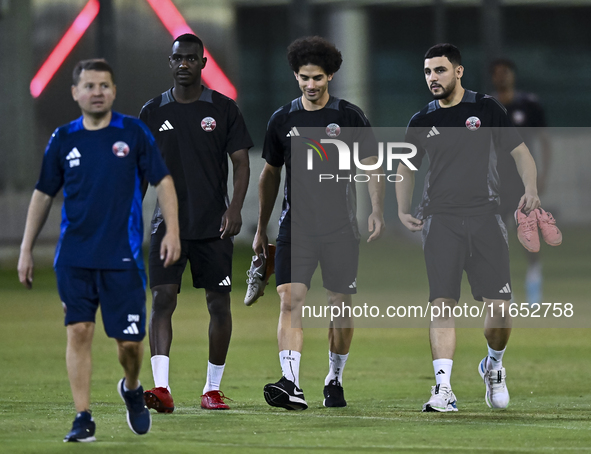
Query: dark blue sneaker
point(82, 429)
point(138, 415)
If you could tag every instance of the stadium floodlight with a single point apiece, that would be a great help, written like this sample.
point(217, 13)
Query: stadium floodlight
point(171, 18)
point(64, 47)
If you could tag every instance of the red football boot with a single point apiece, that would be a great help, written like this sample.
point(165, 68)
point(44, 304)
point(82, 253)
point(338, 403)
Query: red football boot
point(159, 399)
point(214, 400)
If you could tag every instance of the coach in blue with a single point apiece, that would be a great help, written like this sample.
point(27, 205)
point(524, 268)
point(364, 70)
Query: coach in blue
point(100, 160)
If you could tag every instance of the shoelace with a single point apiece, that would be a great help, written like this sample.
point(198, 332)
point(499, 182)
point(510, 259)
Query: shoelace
point(495, 379)
point(551, 220)
point(218, 395)
point(252, 279)
point(530, 227)
point(135, 401)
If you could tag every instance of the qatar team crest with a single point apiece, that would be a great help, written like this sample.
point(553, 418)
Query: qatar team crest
point(473, 123)
point(208, 124)
point(120, 149)
point(333, 130)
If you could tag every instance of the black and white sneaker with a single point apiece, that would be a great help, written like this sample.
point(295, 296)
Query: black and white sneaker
point(285, 394)
point(334, 396)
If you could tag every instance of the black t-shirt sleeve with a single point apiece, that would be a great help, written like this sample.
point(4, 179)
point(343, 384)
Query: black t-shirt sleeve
point(150, 163)
point(51, 178)
point(272, 147)
point(411, 136)
point(505, 134)
point(238, 137)
point(363, 134)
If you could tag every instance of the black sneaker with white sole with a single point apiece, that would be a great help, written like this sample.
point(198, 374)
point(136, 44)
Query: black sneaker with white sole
point(285, 394)
point(334, 396)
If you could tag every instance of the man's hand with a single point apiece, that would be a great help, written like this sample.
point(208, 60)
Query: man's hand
point(412, 224)
point(170, 249)
point(375, 224)
point(231, 222)
point(529, 202)
point(261, 244)
point(25, 269)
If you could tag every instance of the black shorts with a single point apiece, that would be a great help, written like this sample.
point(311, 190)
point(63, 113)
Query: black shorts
point(210, 260)
point(477, 244)
point(338, 261)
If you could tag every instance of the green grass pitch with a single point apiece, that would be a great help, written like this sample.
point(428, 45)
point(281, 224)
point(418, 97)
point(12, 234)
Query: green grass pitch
point(387, 378)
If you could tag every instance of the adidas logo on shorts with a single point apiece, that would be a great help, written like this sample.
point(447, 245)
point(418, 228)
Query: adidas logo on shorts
point(131, 329)
point(505, 289)
point(226, 282)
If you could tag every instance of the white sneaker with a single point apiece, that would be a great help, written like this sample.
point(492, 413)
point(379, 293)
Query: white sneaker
point(442, 399)
point(258, 276)
point(497, 394)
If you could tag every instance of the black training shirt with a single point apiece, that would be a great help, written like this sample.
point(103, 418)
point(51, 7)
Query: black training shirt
point(462, 143)
point(325, 208)
point(195, 140)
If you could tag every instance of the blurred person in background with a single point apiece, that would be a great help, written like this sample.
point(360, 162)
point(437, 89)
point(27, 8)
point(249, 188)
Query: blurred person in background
point(525, 111)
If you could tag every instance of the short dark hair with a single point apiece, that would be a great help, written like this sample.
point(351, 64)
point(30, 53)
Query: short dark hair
point(445, 50)
point(502, 62)
point(189, 38)
point(93, 64)
point(314, 50)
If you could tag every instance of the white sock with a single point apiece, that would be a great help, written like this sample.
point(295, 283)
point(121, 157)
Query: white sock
point(336, 364)
point(214, 377)
point(442, 369)
point(495, 358)
point(160, 365)
point(125, 388)
point(290, 365)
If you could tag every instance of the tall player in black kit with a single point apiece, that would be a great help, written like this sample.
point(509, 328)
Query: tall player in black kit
point(462, 132)
point(332, 241)
point(196, 129)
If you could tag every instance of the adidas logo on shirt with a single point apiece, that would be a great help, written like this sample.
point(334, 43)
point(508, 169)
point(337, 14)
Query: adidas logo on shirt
point(226, 282)
point(293, 133)
point(354, 284)
point(505, 289)
point(131, 329)
point(74, 157)
point(433, 132)
point(166, 126)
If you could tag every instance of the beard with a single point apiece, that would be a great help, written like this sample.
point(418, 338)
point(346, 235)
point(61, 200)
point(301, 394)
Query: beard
point(445, 91)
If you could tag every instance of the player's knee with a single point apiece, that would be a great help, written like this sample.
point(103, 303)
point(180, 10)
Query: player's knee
point(218, 305)
point(442, 309)
point(80, 332)
point(129, 348)
point(164, 299)
point(338, 299)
